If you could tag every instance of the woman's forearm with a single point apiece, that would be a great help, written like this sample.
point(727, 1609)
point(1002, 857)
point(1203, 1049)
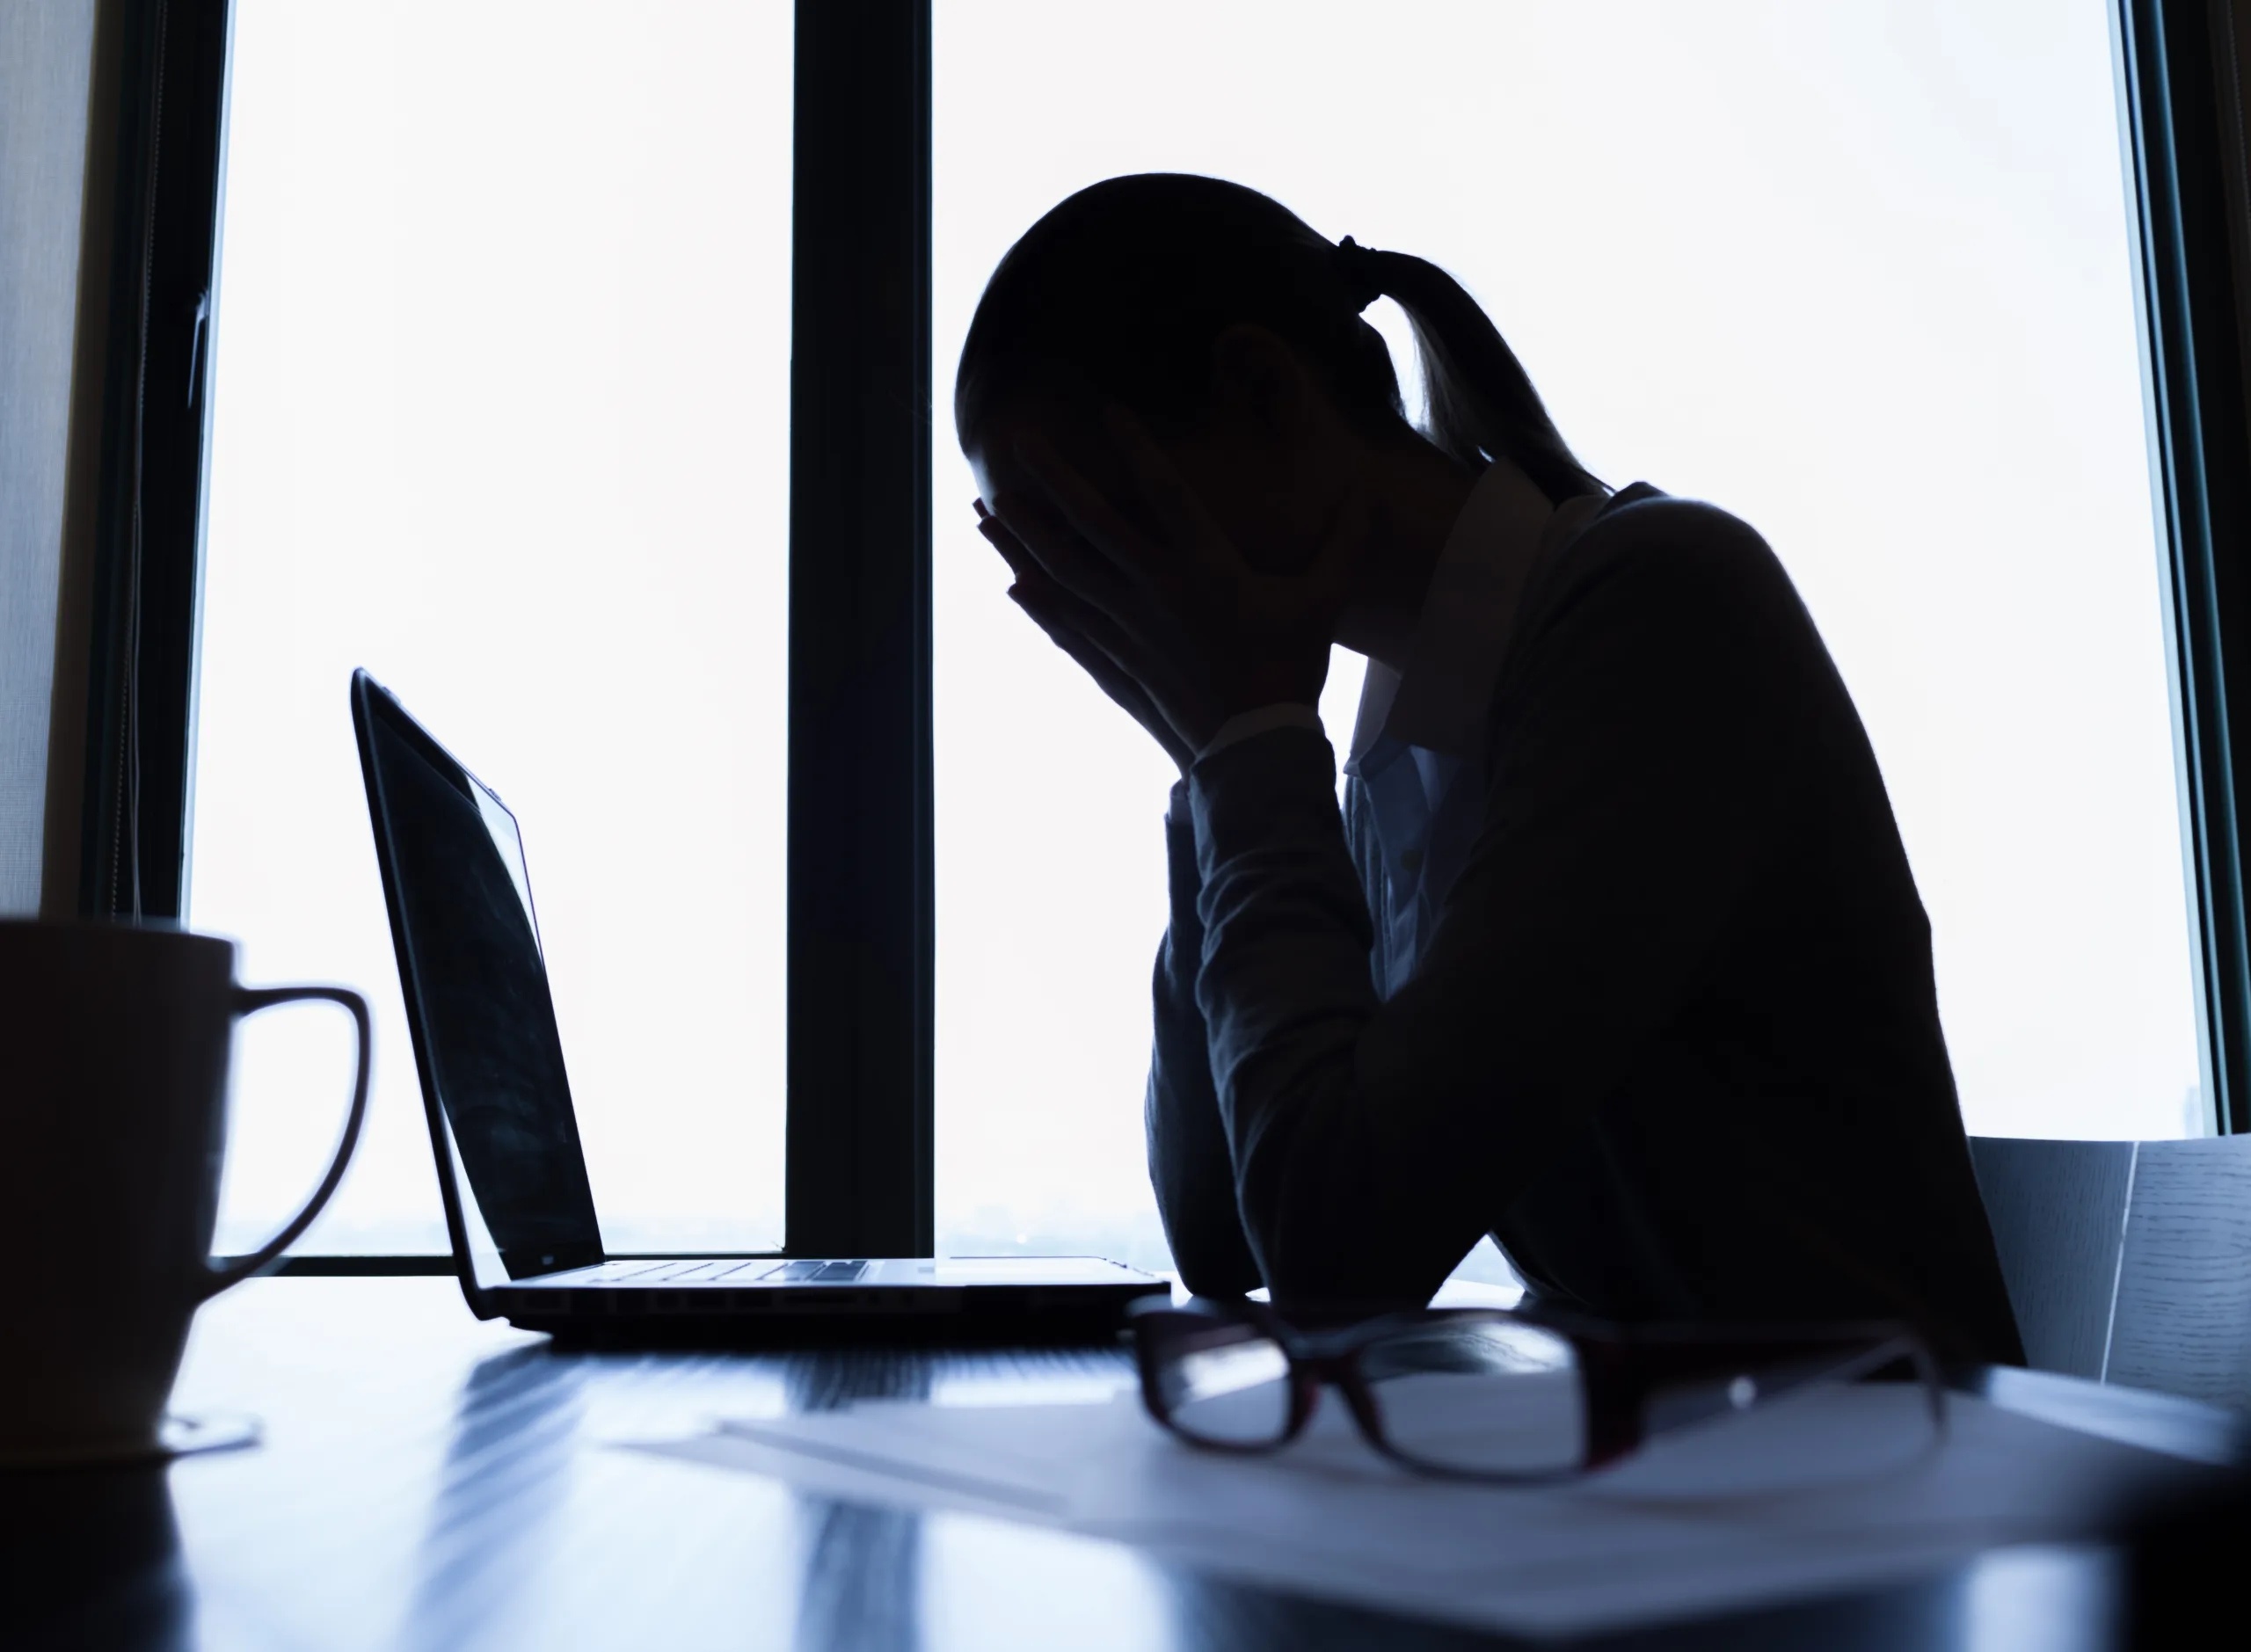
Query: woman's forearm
point(1287, 988)
point(1189, 1165)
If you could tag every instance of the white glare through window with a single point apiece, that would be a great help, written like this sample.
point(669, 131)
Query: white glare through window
point(501, 414)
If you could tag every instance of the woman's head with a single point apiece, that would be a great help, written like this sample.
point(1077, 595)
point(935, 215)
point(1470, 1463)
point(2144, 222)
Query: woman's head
point(1178, 296)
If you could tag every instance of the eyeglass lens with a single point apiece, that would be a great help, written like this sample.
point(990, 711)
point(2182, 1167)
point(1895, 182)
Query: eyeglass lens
point(1225, 1383)
point(1482, 1397)
point(1490, 1398)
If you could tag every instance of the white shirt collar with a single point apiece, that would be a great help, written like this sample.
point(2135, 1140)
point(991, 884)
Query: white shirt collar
point(1469, 616)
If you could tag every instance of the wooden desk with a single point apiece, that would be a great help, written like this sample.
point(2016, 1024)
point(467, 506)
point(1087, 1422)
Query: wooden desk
point(429, 1482)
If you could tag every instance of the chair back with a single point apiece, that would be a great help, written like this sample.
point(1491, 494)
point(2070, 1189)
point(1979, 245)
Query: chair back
point(2128, 1262)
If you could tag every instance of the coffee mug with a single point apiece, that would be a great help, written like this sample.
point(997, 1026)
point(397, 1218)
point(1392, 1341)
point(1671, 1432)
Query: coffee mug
point(114, 1045)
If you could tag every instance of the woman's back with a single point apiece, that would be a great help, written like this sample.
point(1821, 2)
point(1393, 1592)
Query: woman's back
point(1782, 1140)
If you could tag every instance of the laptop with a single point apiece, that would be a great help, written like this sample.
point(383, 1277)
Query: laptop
point(519, 1209)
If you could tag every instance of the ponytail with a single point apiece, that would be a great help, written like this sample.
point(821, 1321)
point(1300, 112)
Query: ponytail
point(1123, 288)
point(1481, 405)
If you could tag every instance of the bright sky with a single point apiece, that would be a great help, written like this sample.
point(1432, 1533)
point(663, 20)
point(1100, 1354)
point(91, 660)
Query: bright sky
point(501, 415)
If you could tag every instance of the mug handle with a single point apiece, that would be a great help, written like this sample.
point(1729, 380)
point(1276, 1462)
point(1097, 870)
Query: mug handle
point(248, 1002)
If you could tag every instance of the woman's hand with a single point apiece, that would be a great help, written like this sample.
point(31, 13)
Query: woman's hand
point(1074, 626)
point(1175, 615)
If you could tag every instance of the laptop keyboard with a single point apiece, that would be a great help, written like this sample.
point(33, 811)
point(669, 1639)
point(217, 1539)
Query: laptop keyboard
point(821, 1273)
point(724, 1270)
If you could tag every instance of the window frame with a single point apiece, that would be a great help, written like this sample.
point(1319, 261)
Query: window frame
point(861, 937)
point(2182, 112)
point(859, 1172)
point(160, 68)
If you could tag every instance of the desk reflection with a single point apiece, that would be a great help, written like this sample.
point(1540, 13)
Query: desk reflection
point(514, 1435)
point(863, 1574)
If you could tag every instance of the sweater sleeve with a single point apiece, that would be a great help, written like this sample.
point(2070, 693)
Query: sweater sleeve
point(1189, 1164)
point(1630, 773)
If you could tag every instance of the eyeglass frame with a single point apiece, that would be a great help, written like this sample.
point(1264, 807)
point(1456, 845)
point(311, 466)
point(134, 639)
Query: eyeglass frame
point(1637, 1381)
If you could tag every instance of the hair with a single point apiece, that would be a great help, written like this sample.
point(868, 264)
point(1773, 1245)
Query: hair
point(1122, 289)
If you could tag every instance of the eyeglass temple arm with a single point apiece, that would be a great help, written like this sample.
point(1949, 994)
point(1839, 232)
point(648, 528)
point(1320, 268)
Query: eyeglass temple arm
point(1636, 1389)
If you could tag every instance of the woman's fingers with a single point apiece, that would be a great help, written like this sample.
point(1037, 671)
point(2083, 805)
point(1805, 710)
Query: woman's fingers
point(1158, 675)
point(1096, 520)
point(1055, 605)
point(1047, 610)
point(1036, 590)
point(996, 533)
point(1095, 660)
point(1063, 554)
point(1179, 511)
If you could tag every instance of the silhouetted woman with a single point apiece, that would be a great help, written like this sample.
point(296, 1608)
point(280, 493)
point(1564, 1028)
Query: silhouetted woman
point(1612, 952)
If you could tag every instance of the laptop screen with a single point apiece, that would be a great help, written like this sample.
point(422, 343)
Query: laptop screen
point(476, 995)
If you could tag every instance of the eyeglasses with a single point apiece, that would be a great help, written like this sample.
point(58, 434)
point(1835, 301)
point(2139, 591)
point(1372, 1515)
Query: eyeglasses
point(1509, 1397)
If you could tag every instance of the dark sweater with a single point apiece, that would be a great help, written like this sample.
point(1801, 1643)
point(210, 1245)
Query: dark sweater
point(1675, 1041)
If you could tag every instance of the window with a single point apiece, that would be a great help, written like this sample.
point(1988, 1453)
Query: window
point(500, 414)
point(1861, 274)
point(499, 411)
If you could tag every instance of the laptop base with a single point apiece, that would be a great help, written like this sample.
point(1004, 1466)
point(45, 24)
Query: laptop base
point(1076, 1326)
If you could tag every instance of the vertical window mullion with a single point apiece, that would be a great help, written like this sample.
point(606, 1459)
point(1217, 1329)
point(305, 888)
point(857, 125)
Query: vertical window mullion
point(2204, 461)
point(861, 935)
point(169, 59)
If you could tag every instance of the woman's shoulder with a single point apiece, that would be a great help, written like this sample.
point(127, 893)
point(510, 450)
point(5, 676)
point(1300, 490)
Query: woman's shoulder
point(1641, 521)
point(1641, 544)
point(1675, 613)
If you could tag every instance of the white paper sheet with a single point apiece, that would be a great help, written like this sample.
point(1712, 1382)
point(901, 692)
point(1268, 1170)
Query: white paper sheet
point(1810, 1494)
